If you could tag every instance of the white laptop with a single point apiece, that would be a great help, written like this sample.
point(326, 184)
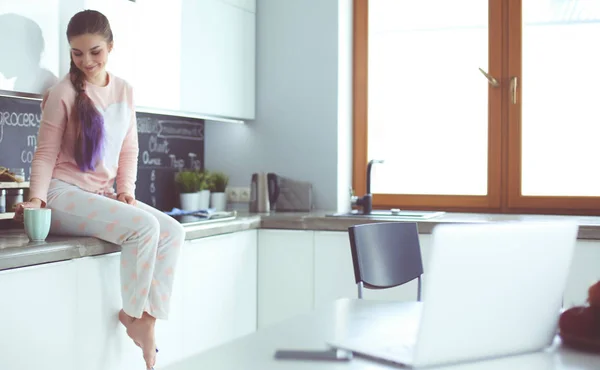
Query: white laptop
point(490, 290)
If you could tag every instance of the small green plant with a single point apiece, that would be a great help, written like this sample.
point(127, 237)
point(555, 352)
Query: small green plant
point(219, 182)
point(204, 179)
point(188, 181)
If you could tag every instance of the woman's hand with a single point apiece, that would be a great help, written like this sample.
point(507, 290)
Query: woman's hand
point(126, 198)
point(19, 209)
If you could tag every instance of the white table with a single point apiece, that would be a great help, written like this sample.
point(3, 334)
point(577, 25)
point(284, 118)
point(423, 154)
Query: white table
point(311, 331)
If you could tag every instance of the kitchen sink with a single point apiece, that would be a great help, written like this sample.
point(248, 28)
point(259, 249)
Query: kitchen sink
point(392, 214)
point(193, 220)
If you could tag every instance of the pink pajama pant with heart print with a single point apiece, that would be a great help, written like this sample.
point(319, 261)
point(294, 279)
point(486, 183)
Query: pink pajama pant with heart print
point(150, 242)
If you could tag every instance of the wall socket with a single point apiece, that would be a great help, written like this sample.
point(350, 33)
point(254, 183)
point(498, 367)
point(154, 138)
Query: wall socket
point(239, 194)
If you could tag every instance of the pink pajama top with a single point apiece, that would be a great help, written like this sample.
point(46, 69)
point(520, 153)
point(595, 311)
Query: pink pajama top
point(54, 155)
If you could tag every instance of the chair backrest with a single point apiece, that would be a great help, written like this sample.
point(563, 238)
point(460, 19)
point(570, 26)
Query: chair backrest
point(385, 254)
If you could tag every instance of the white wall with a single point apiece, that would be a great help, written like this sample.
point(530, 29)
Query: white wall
point(344, 152)
point(29, 42)
point(33, 29)
point(303, 113)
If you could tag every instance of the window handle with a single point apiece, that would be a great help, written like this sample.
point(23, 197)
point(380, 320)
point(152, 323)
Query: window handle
point(513, 89)
point(490, 78)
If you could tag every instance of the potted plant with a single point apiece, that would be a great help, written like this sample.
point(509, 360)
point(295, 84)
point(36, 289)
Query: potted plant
point(218, 183)
point(204, 180)
point(188, 184)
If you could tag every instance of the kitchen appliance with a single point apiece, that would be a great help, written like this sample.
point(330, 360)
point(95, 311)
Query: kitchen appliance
point(260, 197)
point(286, 194)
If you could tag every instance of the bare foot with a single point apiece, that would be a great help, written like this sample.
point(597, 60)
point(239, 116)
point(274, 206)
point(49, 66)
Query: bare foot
point(126, 320)
point(142, 331)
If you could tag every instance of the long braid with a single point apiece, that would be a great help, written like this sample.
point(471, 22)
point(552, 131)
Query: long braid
point(77, 81)
point(90, 131)
point(77, 78)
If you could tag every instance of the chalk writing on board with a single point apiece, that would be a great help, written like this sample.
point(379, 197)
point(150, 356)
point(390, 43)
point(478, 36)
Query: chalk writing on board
point(165, 129)
point(156, 145)
point(147, 125)
point(21, 121)
point(16, 119)
point(153, 187)
point(147, 160)
point(181, 130)
point(176, 163)
point(194, 163)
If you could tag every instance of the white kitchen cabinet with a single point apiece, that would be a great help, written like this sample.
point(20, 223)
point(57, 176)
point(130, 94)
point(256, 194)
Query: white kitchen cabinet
point(334, 274)
point(36, 317)
point(100, 340)
point(157, 48)
point(170, 333)
point(67, 312)
point(219, 285)
point(122, 16)
point(181, 56)
point(218, 58)
point(285, 274)
point(300, 270)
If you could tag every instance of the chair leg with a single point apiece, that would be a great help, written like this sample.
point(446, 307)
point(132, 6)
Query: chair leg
point(360, 289)
point(419, 289)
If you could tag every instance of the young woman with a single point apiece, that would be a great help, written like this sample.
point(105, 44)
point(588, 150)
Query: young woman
point(87, 140)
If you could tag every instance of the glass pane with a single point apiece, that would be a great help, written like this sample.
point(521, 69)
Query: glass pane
point(428, 102)
point(560, 98)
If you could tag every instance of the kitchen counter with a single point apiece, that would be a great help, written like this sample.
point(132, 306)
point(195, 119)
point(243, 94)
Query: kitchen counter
point(17, 251)
point(589, 226)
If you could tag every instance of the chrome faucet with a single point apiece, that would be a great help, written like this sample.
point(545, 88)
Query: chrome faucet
point(366, 201)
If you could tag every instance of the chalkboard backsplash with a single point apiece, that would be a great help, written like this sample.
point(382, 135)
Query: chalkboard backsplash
point(167, 143)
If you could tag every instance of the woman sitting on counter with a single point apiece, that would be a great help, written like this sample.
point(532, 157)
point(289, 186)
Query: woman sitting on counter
point(87, 140)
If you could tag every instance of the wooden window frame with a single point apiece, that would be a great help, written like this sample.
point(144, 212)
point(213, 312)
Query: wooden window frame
point(504, 129)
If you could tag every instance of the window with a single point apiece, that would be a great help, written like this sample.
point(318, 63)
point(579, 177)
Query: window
point(478, 105)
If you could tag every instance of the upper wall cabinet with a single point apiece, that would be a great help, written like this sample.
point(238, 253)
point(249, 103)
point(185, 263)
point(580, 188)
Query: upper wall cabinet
point(122, 16)
point(181, 56)
point(147, 46)
point(157, 75)
point(218, 57)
